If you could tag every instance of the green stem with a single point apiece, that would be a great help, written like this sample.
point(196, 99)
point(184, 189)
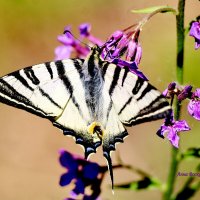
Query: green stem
point(180, 40)
point(177, 109)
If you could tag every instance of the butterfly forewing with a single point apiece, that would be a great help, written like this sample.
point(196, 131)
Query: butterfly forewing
point(37, 89)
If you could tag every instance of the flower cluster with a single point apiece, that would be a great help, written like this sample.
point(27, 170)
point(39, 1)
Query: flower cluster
point(83, 173)
point(120, 43)
point(195, 32)
point(170, 125)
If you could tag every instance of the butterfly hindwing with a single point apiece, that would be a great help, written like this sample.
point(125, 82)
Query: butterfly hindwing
point(135, 100)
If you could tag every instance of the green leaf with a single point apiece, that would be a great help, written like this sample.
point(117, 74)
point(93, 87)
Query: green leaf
point(145, 183)
point(191, 153)
point(153, 9)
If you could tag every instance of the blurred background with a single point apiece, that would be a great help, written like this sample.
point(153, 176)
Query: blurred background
point(29, 145)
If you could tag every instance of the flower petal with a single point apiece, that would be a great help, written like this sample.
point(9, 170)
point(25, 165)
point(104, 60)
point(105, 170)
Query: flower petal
point(138, 55)
point(79, 187)
point(63, 52)
point(185, 93)
point(181, 125)
point(165, 92)
point(66, 178)
point(195, 32)
point(68, 161)
point(197, 92)
point(173, 137)
point(194, 109)
point(66, 39)
point(85, 29)
point(163, 129)
point(139, 73)
point(131, 51)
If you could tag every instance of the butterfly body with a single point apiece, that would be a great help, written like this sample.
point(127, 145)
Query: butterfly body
point(89, 99)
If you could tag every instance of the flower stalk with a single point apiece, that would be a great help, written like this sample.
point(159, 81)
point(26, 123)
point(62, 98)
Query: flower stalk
point(177, 108)
point(160, 10)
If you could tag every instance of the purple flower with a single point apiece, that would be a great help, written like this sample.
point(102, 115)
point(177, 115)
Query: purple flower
point(172, 128)
point(171, 90)
point(134, 51)
point(132, 67)
point(120, 43)
point(195, 32)
point(194, 104)
point(185, 93)
point(85, 29)
point(63, 52)
point(124, 43)
point(83, 173)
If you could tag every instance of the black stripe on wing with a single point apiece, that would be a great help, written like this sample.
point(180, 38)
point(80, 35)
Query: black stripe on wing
point(63, 76)
point(145, 91)
point(31, 75)
point(78, 66)
point(48, 66)
point(21, 79)
point(126, 71)
point(104, 68)
point(49, 98)
point(14, 98)
point(137, 86)
point(157, 109)
point(126, 104)
point(115, 79)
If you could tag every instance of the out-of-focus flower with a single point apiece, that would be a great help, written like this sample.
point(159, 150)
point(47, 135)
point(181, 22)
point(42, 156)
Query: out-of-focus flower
point(195, 32)
point(83, 173)
point(63, 52)
point(194, 104)
point(172, 129)
point(70, 44)
point(84, 30)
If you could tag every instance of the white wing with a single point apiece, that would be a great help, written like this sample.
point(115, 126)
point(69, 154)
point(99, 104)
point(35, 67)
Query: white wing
point(135, 100)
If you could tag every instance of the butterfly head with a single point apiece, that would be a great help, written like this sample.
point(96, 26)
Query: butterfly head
point(96, 50)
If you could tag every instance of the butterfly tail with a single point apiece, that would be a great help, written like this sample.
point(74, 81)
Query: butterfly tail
point(109, 163)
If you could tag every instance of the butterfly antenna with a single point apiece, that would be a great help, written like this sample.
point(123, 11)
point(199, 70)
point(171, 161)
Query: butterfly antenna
point(67, 31)
point(109, 162)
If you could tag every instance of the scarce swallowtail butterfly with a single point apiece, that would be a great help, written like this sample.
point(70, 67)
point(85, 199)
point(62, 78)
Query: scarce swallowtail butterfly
point(91, 100)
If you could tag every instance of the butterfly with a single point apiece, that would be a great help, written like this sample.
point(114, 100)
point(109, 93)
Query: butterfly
point(91, 100)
